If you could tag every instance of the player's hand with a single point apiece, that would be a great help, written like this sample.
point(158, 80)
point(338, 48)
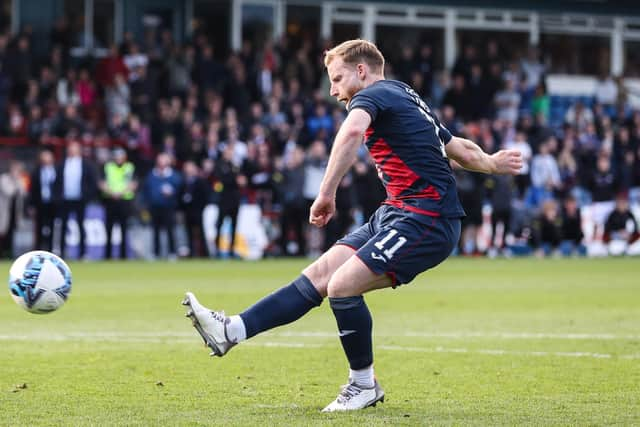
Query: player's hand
point(322, 210)
point(507, 162)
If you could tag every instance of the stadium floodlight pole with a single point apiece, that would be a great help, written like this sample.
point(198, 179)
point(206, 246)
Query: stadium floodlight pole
point(450, 38)
point(15, 16)
point(88, 25)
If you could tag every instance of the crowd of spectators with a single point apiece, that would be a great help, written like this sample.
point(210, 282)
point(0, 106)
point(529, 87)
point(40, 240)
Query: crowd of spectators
point(256, 126)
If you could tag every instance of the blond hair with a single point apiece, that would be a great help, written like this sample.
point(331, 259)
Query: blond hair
point(356, 52)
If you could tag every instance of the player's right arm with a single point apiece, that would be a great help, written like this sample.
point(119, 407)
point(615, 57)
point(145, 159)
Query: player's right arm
point(470, 156)
point(343, 155)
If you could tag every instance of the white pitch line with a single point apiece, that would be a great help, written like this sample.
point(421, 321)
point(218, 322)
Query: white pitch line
point(498, 352)
point(493, 335)
point(326, 334)
point(179, 338)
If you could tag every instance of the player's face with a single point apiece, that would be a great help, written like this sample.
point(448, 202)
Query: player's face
point(346, 80)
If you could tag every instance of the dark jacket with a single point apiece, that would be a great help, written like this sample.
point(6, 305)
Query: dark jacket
point(35, 192)
point(89, 185)
point(153, 189)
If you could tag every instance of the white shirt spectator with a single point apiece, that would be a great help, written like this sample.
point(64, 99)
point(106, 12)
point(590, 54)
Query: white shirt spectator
point(606, 91)
point(544, 170)
point(508, 102)
point(579, 116)
point(240, 151)
point(134, 61)
point(117, 98)
point(73, 178)
point(313, 174)
point(65, 94)
point(533, 71)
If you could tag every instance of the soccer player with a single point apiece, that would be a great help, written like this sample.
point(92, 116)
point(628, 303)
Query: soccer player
point(415, 229)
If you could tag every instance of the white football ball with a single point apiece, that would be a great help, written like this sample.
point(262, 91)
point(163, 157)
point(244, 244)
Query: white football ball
point(39, 281)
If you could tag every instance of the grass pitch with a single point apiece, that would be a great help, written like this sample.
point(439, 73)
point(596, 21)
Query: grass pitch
point(473, 342)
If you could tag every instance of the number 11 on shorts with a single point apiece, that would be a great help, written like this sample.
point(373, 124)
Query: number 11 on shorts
point(392, 250)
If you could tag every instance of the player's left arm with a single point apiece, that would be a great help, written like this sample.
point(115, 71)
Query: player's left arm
point(343, 155)
point(470, 156)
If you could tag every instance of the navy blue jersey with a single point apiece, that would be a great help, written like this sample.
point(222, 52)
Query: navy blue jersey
point(407, 141)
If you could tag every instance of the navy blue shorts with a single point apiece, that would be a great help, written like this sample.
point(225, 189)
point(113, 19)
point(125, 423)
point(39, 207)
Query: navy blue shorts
point(403, 244)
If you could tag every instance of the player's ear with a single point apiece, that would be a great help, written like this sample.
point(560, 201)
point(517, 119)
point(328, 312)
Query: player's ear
point(361, 69)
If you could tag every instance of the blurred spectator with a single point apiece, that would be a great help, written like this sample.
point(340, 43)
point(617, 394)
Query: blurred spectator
point(13, 194)
point(479, 91)
point(544, 168)
point(457, 97)
point(20, 65)
point(502, 189)
point(75, 186)
point(230, 182)
point(314, 168)
point(507, 102)
point(162, 191)
point(193, 200)
point(541, 104)
point(69, 122)
point(118, 185)
point(320, 125)
point(471, 191)
point(424, 66)
point(210, 73)
point(532, 68)
point(117, 97)
point(578, 116)
point(567, 166)
point(462, 66)
point(572, 234)
point(606, 90)
point(110, 66)
point(135, 61)
point(604, 184)
point(369, 190)
point(86, 89)
point(294, 206)
point(67, 91)
point(42, 200)
point(621, 227)
point(547, 229)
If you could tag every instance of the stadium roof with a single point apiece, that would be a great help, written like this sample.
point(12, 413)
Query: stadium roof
point(626, 7)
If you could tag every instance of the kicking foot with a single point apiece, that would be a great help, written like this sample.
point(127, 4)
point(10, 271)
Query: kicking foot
point(211, 325)
point(353, 397)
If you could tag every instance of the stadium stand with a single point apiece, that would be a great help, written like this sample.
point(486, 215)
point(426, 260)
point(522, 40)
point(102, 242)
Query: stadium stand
point(244, 117)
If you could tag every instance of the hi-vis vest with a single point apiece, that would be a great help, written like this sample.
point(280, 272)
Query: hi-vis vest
point(119, 177)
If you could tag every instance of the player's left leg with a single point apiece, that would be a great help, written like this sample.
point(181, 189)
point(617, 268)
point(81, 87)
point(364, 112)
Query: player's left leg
point(355, 325)
point(404, 246)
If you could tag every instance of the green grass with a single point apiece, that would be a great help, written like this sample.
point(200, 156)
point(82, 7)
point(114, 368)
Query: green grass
point(474, 342)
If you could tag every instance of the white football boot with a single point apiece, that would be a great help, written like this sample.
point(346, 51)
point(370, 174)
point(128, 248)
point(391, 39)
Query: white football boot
point(353, 397)
point(211, 325)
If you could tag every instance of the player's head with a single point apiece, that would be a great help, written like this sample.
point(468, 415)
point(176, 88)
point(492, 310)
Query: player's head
point(352, 66)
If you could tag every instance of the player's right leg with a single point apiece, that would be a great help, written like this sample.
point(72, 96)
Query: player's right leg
point(287, 304)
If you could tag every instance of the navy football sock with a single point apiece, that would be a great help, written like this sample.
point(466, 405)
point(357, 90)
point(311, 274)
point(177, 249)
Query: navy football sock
point(355, 325)
point(285, 305)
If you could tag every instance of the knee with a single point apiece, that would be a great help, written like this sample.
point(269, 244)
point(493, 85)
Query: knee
point(338, 287)
point(318, 277)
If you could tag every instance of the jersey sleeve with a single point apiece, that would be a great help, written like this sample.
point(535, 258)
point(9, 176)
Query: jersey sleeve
point(444, 134)
point(367, 101)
